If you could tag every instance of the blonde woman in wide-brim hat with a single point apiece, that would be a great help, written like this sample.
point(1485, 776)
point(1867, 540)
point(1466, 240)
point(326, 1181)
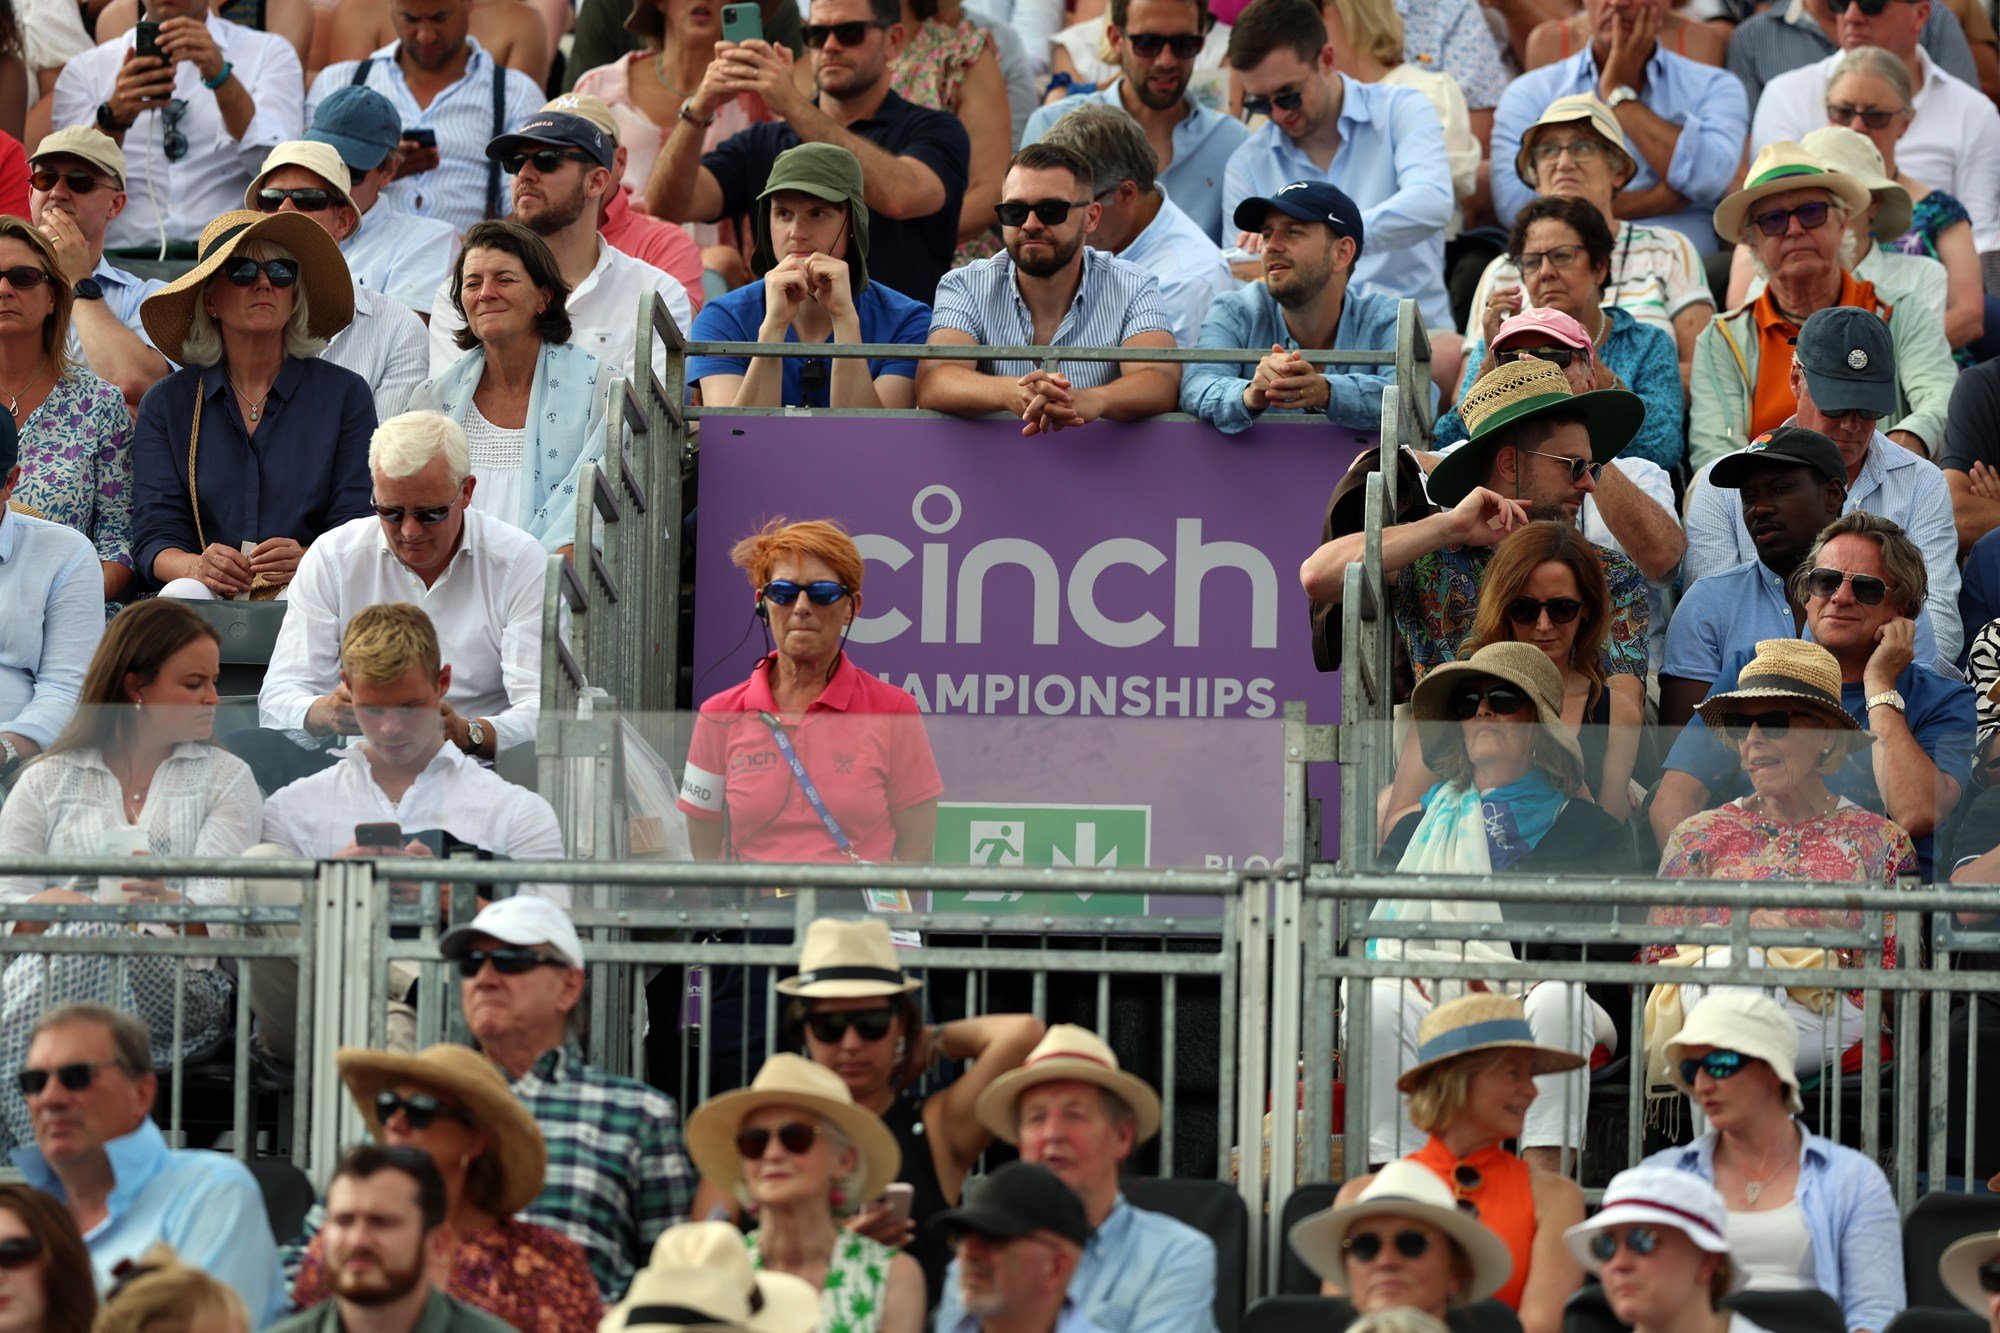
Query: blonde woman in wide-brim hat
point(453, 1103)
point(801, 1157)
point(1403, 1243)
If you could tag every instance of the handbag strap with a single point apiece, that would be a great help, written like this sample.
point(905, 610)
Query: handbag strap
point(792, 761)
point(194, 496)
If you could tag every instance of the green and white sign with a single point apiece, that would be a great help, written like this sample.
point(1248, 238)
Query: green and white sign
point(1105, 836)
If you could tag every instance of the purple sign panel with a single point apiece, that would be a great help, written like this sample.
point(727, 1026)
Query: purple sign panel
point(1108, 618)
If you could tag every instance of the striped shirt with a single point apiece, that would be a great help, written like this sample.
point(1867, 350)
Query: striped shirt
point(462, 116)
point(401, 255)
point(385, 345)
point(1115, 301)
point(1655, 274)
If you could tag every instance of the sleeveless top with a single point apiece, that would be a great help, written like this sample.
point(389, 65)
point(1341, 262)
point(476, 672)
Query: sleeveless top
point(905, 1120)
point(857, 1278)
point(1506, 1200)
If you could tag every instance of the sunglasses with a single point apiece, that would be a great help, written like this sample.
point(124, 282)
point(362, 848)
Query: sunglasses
point(1367, 1247)
point(1716, 1064)
point(1989, 1277)
point(172, 142)
point(1052, 212)
point(22, 277)
point(1872, 8)
point(1148, 45)
point(820, 592)
point(1560, 610)
point(507, 962)
point(1465, 1179)
point(795, 1138)
point(1736, 726)
point(244, 272)
point(1839, 113)
point(1639, 1240)
point(1289, 100)
point(1578, 467)
point(1505, 700)
point(546, 160)
point(831, 1028)
point(1562, 257)
point(79, 182)
point(20, 1251)
point(1811, 218)
point(1868, 589)
point(74, 1077)
point(1555, 356)
point(419, 1109)
point(847, 34)
point(429, 517)
point(308, 199)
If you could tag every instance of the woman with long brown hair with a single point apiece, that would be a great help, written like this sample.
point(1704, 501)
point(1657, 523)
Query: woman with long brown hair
point(134, 773)
point(46, 1282)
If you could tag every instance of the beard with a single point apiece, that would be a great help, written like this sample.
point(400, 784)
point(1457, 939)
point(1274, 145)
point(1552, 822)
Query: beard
point(1301, 285)
point(553, 212)
point(1055, 261)
point(381, 1287)
point(1155, 100)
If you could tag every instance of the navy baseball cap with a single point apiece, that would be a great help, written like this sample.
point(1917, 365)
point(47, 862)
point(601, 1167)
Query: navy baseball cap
point(360, 124)
point(1849, 361)
point(1308, 201)
point(557, 129)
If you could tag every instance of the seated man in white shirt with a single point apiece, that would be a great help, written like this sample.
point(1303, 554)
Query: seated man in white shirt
point(404, 256)
point(195, 119)
point(479, 578)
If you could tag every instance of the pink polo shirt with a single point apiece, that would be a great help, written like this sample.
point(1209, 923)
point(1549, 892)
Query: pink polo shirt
point(664, 245)
point(862, 742)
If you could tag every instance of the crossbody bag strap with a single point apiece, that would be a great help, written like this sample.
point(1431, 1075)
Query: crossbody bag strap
point(499, 128)
point(194, 496)
point(792, 761)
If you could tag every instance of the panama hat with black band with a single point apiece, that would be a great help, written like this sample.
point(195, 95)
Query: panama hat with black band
point(1790, 671)
point(846, 960)
point(1516, 394)
point(168, 314)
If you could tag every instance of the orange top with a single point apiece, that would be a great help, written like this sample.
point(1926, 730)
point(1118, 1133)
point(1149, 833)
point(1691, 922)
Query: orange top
point(1506, 1199)
point(1772, 403)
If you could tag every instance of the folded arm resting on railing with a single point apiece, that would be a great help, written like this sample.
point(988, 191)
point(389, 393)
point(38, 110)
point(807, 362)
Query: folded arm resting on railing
point(1480, 519)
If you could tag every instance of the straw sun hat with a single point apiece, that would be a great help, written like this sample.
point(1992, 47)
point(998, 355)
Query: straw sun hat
point(1480, 1023)
point(1959, 1267)
point(1405, 1189)
point(700, 1276)
point(169, 312)
point(1780, 167)
point(1523, 391)
point(1521, 665)
point(462, 1075)
point(845, 960)
point(1067, 1054)
point(796, 1082)
point(1788, 671)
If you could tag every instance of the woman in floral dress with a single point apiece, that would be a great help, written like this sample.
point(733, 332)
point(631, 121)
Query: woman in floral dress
point(949, 64)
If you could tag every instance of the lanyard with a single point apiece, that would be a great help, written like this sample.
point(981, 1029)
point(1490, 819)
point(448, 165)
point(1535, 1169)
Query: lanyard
point(791, 756)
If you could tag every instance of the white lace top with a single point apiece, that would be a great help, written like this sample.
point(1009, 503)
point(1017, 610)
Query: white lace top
point(496, 462)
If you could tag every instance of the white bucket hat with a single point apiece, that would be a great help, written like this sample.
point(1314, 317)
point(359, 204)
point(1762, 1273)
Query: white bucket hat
point(1748, 1022)
point(1959, 1268)
point(1405, 1189)
point(1658, 1196)
point(778, 1302)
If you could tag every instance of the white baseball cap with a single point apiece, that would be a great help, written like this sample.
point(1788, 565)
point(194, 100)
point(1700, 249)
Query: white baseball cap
point(520, 920)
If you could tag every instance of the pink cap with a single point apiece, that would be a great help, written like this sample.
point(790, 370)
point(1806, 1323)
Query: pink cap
point(1544, 322)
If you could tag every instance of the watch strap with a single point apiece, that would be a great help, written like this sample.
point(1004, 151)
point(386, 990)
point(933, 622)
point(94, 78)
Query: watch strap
point(107, 120)
point(221, 77)
point(88, 289)
point(1893, 698)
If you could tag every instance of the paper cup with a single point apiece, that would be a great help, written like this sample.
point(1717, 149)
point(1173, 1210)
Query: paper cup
point(121, 840)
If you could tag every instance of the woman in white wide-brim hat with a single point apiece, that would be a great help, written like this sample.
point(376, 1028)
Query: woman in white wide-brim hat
point(794, 1150)
point(1659, 1243)
point(1970, 1269)
point(1403, 1243)
point(1802, 1211)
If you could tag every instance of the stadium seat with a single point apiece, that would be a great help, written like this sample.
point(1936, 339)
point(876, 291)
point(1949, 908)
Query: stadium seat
point(1790, 1311)
point(249, 631)
point(288, 1196)
point(1938, 1220)
point(1216, 1210)
point(1294, 1278)
point(1928, 1319)
point(1588, 1312)
point(1328, 1314)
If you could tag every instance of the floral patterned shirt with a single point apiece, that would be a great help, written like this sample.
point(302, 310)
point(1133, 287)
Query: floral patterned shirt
point(929, 72)
point(527, 1275)
point(76, 463)
point(1437, 595)
point(857, 1277)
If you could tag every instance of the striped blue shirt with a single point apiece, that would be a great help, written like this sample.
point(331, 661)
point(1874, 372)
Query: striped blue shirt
point(401, 255)
point(1115, 301)
point(462, 116)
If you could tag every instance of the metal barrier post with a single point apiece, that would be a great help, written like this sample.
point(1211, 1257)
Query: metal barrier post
point(1252, 1086)
point(349, 928)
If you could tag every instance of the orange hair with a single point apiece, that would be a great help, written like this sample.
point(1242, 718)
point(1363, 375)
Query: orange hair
point(821, 538)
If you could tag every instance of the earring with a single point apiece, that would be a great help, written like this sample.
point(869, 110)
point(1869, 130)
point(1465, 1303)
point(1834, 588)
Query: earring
point(838, 1197)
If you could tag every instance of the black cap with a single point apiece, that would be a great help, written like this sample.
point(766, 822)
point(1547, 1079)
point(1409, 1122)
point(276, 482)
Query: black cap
point(1018, 1199)
point(1785, 446)
point(556, 129)
point(1308, 201)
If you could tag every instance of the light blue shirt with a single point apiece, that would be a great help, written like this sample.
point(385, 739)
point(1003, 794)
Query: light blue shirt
point(1857, 1237)
point(124, 293)
point(1894, 484)
point(1391, 162)
point(1707, 103)
point(204, 1204)
point(1189, 266)
point(1141, 1273)
point(1070, 1319)
point(401, 255)
point(1115, 301)
point(1203, 142)
point(1252, 318)
point(1724, 616)
point(53, 589)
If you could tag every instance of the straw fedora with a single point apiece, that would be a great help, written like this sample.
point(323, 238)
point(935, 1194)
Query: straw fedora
point(1750, 1022)
point(847, 959)
point(329, 289)
point(1067, 1054)
point(1791, 671)
point(1658, 1196)
point(1852, 153)
point(1959, 1267)
point(1521, 665)
point(778, 1302)
point(1524, 391)
point(794, 1081)
point(1585, 108)
point(1480, 1022)
point(1780, 167)
point(464, 1076)
point(1405, 1188)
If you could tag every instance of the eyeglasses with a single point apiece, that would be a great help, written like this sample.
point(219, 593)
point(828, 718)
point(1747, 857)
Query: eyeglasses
point(546, 160)
point(795, 1138)
point(1736, 726)
point(1367, 1247)
point(1989, 1278)
point(429, 517)
point(1291, 99)
point(1868, 590)
point(1052, 212)
point(1872, 8)
point(1839, 113)
point(1560, 610)
point(1562, 256)
point(1148, 45)
point(19, 1251)
point(243, 272)
point(820, 592)
point(172, 142)
point(1555, 356)
point(831, 1028)
point(1716, 1064)
point(507, 962)
point(76, 1077)
point(1578, 467)
point(1505, 700)
point(308, 199)
point(847, 34)
point(22, 277)
point(1779, 220)
point(1639, 1240)
point(419, 1109)
point(79, 182)
point(1465, 1179)
point(1582, 150)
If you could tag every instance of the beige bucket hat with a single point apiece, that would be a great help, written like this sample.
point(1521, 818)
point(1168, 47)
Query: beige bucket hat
point(1854, 154)
point(791, 1081)
point(321, 159)
point(845, 960)
point(1067, 1054)
point(1578, 109)
point(778, 1302)
point(1749, 1022)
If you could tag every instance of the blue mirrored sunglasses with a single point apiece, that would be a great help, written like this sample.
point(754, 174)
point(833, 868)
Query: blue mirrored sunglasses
point(1716, 1064)
point(822, 592)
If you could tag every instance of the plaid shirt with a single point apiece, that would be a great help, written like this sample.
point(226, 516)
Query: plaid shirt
point(618, 1175)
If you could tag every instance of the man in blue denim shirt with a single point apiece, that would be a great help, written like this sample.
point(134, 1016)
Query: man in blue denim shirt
point(1071, 1109)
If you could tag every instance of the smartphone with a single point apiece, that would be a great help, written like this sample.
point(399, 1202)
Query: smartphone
point(742, 23)
point(899, 1196)
point(421, 138)
point(146, 38)
point(379, 835)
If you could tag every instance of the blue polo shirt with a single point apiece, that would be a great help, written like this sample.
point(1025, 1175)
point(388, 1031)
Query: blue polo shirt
point(887, 316)
point(1723, 616)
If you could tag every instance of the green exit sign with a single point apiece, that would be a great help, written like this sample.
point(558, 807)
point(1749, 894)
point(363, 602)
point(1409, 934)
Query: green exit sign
point(1096, 836)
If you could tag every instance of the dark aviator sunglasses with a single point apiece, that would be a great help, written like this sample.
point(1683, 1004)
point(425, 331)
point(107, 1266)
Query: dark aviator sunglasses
point(419, 1109)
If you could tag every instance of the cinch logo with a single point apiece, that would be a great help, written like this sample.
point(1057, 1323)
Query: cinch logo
point(936, 510)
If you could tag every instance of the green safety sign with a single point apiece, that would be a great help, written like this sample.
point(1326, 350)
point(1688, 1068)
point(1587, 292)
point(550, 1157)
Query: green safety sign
point(1043, 835)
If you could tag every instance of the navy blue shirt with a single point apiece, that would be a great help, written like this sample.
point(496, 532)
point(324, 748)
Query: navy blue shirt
point(909, 254)
point(303, 473)
point(887, 316)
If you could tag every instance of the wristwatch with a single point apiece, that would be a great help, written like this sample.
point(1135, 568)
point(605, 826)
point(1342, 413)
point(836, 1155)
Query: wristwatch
point(697, 121)
point(475, 732)
point(13, 759)
point(1624, 92)
point(107, 120)
point(88, 289)
point(1893, 698)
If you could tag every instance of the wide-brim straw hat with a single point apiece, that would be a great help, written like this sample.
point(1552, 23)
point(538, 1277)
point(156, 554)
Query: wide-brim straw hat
point(796, 1082)
point(1522, 665)
point(1523, 391)
point(168, 313)
point(1477, 1023)
point(777, 1302)
point(1067, 1054)
point(1658, 1196)
point(1784, 166)
point(845, 960)
point(1749, 1022)
point(462, 1075)
point(1578, 108)
point(1406, 1189)
point(662, 1298)
point(1959, 1265)
point(1852, 153)
point(1787, 671)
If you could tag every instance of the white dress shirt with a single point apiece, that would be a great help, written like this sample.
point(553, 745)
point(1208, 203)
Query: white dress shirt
point(385, 346)
point(486, 608)
point(401, 255)
point(1189, 265)
point(316, 815)
point(1952, 144)
point(189, 194)
point(53, 591)
point(603, 313)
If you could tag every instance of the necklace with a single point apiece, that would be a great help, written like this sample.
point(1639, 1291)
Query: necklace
point(133, 790)
point(1753, 1190)
point(1832, 800)
point(256, 407)
point(14, 399)
point(660, 74)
